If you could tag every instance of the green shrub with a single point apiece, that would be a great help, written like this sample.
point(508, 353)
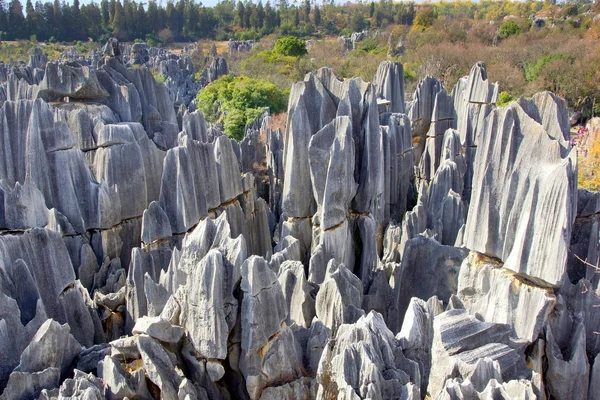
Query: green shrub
point(290, 46)
point(237, 101)
point(504, 98)
point(532, 70)
point(159, 77)
point(426, 17)
point(409, 73)
point(509, 28)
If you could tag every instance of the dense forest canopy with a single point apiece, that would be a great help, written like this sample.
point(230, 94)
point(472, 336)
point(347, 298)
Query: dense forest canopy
point(186, 20)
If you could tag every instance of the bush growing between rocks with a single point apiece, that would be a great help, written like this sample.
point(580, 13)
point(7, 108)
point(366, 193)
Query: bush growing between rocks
point(504, 98)
point(237, 101)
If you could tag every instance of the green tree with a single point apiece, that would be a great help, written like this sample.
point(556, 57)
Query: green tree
point(357, 22)
point(238, 101)
point(3, 17)
point(317, 16)
point(118, 22)
point(290, 46)
point(508, 29)
point(260, 15)
point(240, 14)
point(105, 13)
point(16, 20)
point(306, 13)
point(372, 9)
point(425, 17)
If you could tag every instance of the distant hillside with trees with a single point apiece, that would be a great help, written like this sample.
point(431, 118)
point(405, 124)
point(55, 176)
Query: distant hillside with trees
point(186, 20)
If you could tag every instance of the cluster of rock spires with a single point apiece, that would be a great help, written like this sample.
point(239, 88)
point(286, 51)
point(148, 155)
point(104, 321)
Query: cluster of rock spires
point(377, 249)
point(350, 42)
point(234, 45)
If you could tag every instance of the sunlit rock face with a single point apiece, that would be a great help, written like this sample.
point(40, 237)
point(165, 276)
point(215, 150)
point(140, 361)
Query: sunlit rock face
point(375, 249)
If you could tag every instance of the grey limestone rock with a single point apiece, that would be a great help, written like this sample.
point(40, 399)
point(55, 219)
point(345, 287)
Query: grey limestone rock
point(442, 119)
point(81, 387)
point(364, 361)
point(24, 207)
point(398, 171)
point(427, 269)
point(301, 389)
point(270, 351)
point(44, 255)
point(500, 296)
point(208, 306)
point(536, 174)
point(263, 305)
point(77, 82)
point(333, 181)
point(460, 340)
point(159, 366)
point(416, 335)
point(594, 389)
point(568, 367)
point(420, 111)
point(516, 389)
point(118, 383)
point(297, 293)
point(155, 224)
point(159, 329)
point(24, 385)
point(228, 173)
point(339, 299)
point(389, 81)
point(584, 244)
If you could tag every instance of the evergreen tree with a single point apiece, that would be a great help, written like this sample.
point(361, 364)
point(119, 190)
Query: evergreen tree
point(409, 17)
point(253, 19)
point(372, 9)
point(296, 17)
point(3, 19)
point(76, 27)
point(48, 21)
point(270, 17)
point(248, 7)
point(191, 19)
point(104, 12)
point(142, 23)
point(129, 25)
point(91, 17)
point(306, 14)
point(179, 19)
point(317, 16)
point(260, 13)
point(153, 17)
point(240, 14)
point(118, 21)
point(29, 20)
point(15, 20)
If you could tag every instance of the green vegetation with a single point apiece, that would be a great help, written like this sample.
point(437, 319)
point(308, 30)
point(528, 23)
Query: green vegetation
point(588, 165)
point(290, 46)
point(237, 101)
point(158, 77)
point(509, 28)
point(426, 17)
point(533, 70)
point(504, 99)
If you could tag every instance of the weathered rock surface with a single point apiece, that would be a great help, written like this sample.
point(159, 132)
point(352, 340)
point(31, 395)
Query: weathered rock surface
point(535, 172)
point(142, 247)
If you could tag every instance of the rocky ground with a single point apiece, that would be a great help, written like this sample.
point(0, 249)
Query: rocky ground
point(386, 250)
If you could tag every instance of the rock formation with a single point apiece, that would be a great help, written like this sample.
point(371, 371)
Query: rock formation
point(376, 249)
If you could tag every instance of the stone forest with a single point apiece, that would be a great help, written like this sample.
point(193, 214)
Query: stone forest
point(382, 245)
